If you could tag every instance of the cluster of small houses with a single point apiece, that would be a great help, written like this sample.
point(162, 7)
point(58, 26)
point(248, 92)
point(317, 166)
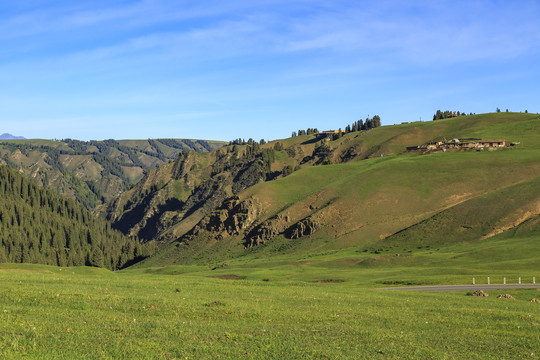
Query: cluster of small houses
point(444, 145)
point(456, 144)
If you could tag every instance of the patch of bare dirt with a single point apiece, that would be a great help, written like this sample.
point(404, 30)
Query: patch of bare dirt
point(521, 219)
point(455, 199)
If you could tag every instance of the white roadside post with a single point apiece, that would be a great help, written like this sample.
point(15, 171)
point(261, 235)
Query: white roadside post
point(504, 280)
point(473, 281)
point(519, 280)
point(488, 280)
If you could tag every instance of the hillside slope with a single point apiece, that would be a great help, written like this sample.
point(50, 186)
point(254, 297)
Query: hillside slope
point(365, 200)
point(95, 171)
point(38, 226)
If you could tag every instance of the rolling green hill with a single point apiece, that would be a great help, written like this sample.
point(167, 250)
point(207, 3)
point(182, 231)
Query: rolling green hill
point(395, 203)
point(95, 171)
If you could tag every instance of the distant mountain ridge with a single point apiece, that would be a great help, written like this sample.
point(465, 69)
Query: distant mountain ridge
point(93, 171)
point(6, 136)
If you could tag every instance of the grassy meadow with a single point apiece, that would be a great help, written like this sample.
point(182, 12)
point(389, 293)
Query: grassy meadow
point(328, 306)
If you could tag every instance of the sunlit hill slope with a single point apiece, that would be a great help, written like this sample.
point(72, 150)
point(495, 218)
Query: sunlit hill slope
point(375, 196)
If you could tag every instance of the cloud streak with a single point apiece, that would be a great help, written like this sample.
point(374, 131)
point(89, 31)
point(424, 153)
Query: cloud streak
point(419, 33)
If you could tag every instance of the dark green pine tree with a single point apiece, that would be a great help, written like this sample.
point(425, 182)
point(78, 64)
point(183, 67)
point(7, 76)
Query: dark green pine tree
point(38, 226)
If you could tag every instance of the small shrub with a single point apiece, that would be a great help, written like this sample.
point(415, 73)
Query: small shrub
point(214, 304)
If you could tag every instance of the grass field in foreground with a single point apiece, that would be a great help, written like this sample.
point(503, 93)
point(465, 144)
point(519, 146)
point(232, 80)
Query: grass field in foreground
point(70, 313)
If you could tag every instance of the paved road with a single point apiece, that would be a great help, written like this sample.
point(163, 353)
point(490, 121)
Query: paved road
point(466, 287)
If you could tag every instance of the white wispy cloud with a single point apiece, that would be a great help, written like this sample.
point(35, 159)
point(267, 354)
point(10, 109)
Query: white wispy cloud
point(421, 32)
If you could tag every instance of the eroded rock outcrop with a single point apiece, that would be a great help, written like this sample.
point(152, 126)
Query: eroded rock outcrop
point(229, 219)
point(505, 296)
point(304, 227)
point(267, 230)
point(479, 293)
point(280, 224)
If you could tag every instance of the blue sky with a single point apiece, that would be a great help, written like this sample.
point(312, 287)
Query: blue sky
point(261, 69)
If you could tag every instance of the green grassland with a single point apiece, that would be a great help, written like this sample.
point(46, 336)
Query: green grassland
point(266, 312)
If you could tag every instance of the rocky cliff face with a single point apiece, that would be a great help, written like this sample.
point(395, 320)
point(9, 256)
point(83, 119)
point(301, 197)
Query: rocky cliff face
point(304, 227)
point(192, 188)
point(239, 217)
point(267, 230)
point(232, 217)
